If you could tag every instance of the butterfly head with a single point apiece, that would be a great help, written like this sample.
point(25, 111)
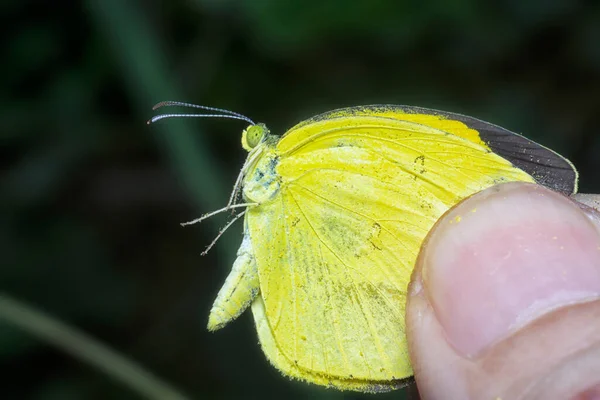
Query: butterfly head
point(254, 135)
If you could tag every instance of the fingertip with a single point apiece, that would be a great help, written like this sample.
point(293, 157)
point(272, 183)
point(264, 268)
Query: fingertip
point(504, 257)
point(466, 297)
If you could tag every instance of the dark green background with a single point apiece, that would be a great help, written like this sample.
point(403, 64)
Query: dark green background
point(92, 197)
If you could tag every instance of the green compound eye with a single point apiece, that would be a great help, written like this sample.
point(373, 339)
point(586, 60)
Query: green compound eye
point(253, 135)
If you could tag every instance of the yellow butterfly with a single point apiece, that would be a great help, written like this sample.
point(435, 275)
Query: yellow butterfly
point(335, 213)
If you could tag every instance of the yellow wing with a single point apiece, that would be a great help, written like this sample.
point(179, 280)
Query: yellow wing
point(335, 247)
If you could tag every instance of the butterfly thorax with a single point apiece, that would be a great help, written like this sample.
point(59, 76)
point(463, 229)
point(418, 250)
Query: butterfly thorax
point(262, 183)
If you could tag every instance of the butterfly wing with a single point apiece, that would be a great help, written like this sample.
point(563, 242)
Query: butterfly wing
point(358, 194)
point(546, 166)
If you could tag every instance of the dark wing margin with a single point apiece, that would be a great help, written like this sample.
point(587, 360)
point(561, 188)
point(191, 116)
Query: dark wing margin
point(547, 167)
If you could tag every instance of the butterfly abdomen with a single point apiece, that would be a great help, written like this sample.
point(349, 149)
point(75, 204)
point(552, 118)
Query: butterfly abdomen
point(240, 289)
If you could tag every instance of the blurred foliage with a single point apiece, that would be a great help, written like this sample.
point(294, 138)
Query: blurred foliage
point(92, 196)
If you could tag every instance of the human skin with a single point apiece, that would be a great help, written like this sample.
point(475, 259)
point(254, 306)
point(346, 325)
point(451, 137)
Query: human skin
point(504, 302)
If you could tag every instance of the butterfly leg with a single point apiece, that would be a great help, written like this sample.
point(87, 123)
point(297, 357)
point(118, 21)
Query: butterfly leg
point(239, 290)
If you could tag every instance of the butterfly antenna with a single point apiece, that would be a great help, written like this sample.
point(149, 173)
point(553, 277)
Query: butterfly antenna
point(224, 113)
point(210, 246)
point(163, 116)
point(220, 210)
point(190, 105)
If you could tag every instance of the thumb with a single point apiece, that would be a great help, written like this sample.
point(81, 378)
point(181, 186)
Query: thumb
point(504, 302)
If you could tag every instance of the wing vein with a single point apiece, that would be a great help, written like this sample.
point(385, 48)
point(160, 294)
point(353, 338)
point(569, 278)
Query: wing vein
point(292, 280)
point(361, 215)
point(390, 187)
point(329, 291)
point(383, 296)
point(330, 133)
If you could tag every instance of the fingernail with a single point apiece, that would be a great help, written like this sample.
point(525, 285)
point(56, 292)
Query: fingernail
point(505, 257)
point(590, 200)
point(590, 205)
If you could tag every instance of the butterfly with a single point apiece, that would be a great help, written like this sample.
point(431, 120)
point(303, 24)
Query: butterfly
point(335, 211)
